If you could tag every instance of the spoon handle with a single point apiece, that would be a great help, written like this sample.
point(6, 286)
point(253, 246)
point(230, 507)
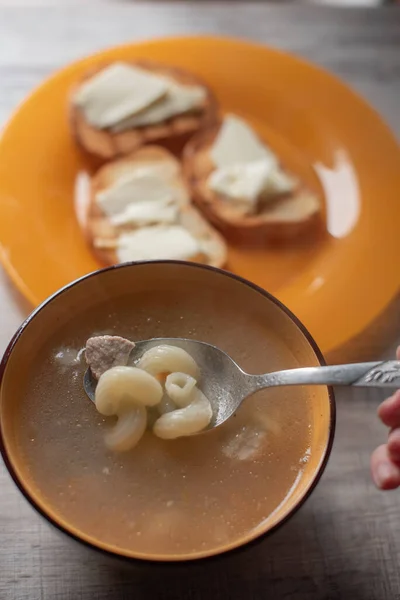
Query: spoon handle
point(370, 374)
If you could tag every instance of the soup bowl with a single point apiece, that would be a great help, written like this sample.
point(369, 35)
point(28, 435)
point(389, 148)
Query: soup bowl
point(164, 500)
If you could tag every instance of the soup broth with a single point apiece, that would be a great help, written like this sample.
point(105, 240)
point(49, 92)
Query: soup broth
point(164, 498)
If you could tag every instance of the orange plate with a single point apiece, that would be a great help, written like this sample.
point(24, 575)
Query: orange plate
point(336, 286)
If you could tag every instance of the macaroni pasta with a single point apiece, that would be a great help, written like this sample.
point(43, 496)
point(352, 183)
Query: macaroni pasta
point(127, 391)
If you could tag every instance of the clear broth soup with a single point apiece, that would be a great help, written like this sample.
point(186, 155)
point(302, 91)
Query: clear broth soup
point(164, 498)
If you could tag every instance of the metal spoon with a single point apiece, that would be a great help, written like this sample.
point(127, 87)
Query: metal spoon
point(226, 385)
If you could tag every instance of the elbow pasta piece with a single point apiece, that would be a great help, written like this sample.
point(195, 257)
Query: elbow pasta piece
point(179, 387)
point(128, 430)
point(125, 392)
point(185, 421)
point(168, 359)
point(126, 386)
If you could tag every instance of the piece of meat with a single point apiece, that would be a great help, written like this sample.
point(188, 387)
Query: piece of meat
point(247, 444)
point(106, 351)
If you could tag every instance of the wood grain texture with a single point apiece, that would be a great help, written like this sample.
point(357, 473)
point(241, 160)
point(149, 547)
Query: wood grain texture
point(345, 542)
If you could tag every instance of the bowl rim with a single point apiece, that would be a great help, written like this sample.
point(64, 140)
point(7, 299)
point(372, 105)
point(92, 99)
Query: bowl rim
point(213, 555)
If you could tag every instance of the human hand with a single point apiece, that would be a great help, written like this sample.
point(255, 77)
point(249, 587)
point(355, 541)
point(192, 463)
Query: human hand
point(385, 460)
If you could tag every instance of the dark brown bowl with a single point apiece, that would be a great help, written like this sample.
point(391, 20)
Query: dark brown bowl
point(102, 289)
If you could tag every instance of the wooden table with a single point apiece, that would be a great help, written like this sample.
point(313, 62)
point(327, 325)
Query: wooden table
point(345, 542)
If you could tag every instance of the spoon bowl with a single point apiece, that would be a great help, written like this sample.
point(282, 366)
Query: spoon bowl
point(226, 385)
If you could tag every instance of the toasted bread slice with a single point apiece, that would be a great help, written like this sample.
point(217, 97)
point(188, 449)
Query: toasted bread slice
point(171, 134)
point(102, 234)
point(281, 218)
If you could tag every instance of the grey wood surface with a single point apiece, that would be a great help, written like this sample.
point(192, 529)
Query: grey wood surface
point(345, 542)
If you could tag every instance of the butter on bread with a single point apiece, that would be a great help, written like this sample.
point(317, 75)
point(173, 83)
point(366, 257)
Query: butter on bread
point(283, 216)
point(173, 133)
point(103, 235)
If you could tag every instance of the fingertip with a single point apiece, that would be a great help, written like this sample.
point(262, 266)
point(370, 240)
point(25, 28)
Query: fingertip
point(393, 445)
point(385, 474)
point(389, 410)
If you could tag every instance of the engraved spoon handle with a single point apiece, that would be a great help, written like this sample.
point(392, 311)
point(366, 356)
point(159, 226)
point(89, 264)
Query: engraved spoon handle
point(371, 374)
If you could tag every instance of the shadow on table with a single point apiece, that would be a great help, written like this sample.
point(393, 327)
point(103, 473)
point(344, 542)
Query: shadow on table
point(292, 563)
